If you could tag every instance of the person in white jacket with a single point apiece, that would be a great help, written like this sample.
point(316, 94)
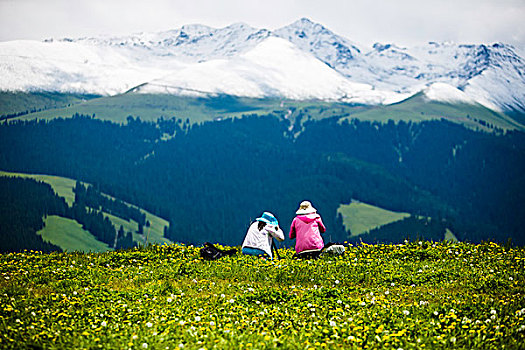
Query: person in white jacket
point(258, 240)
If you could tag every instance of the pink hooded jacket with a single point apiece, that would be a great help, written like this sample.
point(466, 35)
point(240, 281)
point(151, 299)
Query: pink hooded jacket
point(307, 229)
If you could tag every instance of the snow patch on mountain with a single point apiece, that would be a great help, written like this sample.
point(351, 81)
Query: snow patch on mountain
point(443, 92)
point(69, 67)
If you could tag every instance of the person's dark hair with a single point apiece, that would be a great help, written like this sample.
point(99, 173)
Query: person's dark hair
point(261, 225)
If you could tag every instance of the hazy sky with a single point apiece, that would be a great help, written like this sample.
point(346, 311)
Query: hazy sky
point(404, 22)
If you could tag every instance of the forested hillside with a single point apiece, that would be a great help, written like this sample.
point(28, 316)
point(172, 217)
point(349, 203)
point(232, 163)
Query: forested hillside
point(23, 204)
point(212, 179)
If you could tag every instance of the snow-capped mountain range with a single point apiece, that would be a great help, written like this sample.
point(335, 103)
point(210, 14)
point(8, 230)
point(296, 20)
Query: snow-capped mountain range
point(303, 60)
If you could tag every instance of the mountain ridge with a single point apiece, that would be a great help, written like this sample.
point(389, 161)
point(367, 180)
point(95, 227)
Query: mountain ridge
point(195, 54)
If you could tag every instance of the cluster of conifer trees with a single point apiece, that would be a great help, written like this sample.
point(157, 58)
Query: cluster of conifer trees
point(90, 204)
point(91, 197)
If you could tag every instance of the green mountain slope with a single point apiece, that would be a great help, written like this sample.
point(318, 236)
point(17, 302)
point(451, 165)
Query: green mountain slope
point(13, 104)
point(70, 236)
point(418, 108)
point(198, 109)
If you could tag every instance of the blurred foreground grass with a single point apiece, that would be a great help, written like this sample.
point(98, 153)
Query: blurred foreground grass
point(416, 295)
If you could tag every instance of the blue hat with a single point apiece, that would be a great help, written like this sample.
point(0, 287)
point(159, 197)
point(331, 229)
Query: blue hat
point(268, 218)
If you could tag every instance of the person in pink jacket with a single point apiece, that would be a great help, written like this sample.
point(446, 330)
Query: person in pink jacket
point(306, 228)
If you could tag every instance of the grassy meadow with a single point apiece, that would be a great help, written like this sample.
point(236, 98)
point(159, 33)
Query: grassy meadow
point(412, 296)
point(360, 217)
point(69, 235)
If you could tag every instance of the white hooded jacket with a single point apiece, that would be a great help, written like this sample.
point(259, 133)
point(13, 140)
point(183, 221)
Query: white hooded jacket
point(262, 239)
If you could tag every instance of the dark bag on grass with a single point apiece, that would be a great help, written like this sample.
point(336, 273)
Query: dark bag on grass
point(211, 252)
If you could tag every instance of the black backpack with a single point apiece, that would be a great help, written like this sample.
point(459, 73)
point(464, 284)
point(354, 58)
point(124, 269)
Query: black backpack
point(211, 252)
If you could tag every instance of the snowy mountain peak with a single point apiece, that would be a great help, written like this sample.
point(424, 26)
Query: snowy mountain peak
point(194, 29)
point(192, 58)
point(327, 46)
point(306, 25)
point(390, 51)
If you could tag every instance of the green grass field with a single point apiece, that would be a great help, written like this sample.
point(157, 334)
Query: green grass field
point(360, 218)
point(70, 236)
point(420, 295)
